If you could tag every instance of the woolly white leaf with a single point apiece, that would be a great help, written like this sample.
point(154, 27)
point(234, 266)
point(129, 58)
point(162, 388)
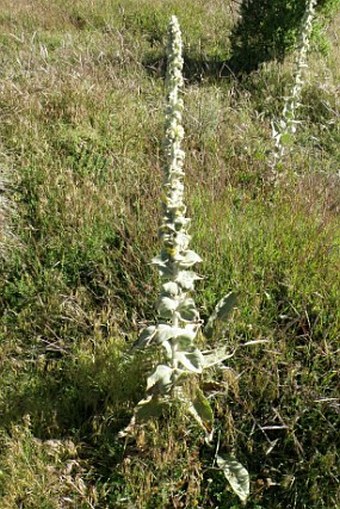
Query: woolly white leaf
point(171, 288)
point(188, 260)
point(168, 349)
point(160, 380)
point(192, 361)
point(182, 240)
point(188, 311)
point(160, 261)
point(186, 279)
point(181, 222)
point(236, 474)
point(166, 306)
point(146, 337)
point(165, 332)
point(217, 356)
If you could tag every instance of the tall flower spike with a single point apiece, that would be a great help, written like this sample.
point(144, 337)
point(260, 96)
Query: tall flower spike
point(288, 123)
point(179, 321)
point(179, 318)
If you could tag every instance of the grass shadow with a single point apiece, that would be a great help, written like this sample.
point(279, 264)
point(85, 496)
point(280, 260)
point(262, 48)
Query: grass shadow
point(89, 395)
point(196, 68)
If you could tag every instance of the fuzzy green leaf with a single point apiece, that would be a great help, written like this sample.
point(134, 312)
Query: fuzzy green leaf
point(188, 260)
point(166, 306)
point(188, 311)
point(192, 361)
point(170, 288)
point(286, 139)
point(186, 279)
point(236, 474)
point(160, 381)
point(162, 263)
point(165, 332)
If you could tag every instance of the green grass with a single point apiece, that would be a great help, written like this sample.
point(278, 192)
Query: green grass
point(81, 123)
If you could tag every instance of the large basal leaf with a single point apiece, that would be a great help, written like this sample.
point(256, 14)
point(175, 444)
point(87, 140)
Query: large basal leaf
point(221, 312)
point(192, 361)
point(160, 381)
point(225, 306)
point(236, 474)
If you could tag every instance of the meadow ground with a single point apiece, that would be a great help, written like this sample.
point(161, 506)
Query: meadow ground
point(81, 124)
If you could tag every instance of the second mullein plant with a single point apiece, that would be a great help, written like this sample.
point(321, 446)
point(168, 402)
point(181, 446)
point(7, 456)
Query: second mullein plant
point(283, 130)
point(176, 378)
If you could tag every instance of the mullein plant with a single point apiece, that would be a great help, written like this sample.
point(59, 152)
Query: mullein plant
point(283, 130)
point(179, 327)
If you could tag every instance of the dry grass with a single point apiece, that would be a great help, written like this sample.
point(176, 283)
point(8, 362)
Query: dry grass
point(81, 119)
